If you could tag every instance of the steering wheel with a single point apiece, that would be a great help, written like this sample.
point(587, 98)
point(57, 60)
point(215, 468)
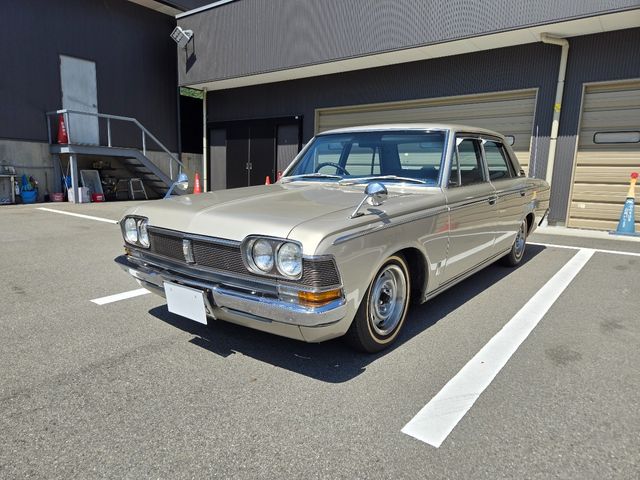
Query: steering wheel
point(331, 164)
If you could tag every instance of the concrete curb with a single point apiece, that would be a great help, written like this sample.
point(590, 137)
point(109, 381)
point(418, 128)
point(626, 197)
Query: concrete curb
point(576, 232)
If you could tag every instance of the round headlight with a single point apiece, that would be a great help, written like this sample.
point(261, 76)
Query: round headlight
point(143, 234)
point(262, 255)
point(290, 259)
point(130, 230)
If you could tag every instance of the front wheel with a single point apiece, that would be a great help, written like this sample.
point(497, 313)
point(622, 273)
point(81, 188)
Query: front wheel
point(383, 309)
point(514, 257)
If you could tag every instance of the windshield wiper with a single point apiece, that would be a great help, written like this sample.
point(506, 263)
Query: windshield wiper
point(353, 181)
point(309, 175)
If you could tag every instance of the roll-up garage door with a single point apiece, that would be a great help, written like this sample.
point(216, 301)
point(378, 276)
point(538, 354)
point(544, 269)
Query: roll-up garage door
point(608, 151)
point(510, 113)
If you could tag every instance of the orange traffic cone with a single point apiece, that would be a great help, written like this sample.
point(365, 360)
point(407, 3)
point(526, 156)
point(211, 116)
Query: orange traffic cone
point(267, 180)
point(63, 138)
point(196, 184)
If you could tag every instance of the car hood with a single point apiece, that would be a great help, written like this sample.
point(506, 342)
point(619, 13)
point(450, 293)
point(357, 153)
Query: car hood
point(270, 210)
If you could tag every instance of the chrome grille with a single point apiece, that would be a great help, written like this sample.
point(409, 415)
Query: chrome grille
point(226, 257)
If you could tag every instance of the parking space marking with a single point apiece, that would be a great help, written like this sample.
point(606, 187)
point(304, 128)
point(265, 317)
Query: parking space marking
point(435, 421)
point(89, 217)
point(120, 296)
point(597, 250)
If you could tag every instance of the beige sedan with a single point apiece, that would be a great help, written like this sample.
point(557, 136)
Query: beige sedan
point(363, 221)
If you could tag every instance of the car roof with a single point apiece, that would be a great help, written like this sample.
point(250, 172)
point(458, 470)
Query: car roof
point(414, 126)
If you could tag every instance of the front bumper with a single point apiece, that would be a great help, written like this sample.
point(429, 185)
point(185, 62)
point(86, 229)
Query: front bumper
point(222, 300)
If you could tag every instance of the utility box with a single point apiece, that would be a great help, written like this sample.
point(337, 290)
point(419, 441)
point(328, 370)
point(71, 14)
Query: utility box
point(84, 196)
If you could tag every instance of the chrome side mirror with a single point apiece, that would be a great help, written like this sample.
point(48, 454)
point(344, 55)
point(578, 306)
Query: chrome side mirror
point(375, 194)
point(182, 183)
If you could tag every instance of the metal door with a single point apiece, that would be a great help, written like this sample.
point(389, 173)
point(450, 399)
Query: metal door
point(79, 92)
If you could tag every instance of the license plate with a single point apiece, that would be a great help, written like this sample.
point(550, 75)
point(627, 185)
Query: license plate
point(185, 301)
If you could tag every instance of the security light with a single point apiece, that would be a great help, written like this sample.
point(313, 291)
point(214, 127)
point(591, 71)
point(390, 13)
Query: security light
point(181, 37)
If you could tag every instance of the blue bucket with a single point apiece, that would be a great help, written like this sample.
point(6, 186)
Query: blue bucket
point(29, 196)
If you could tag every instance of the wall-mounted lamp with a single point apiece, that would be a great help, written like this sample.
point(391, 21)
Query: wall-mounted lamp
point(182, 37)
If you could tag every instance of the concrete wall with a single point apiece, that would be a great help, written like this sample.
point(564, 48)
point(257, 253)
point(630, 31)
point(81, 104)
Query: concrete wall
point(30, 159)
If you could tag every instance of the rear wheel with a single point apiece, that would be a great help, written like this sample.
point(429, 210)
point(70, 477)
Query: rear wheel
point(514, 257)
point(383, 309)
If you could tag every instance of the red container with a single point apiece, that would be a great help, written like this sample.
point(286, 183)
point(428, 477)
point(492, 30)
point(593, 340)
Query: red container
point(57, 197)
point(97, 197)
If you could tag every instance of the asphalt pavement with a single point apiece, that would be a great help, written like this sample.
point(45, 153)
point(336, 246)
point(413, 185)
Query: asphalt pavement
point(129, 390)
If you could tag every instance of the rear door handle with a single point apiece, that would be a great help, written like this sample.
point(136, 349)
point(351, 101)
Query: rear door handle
point(522, 193)
point(492, 200)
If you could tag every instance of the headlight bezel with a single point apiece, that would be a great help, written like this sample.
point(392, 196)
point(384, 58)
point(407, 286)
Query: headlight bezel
point(140, 222)
point(276, 244)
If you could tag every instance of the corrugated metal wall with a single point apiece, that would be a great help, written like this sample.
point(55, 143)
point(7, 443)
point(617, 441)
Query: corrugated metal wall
point(256, 36)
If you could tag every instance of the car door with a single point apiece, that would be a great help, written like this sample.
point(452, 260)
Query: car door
point(471, 201)
point(510, 192)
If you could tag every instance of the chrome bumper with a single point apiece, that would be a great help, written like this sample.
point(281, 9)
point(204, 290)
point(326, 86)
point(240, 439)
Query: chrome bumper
point(221, 299)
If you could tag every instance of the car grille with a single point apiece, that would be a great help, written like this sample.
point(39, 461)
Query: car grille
point(227, 257)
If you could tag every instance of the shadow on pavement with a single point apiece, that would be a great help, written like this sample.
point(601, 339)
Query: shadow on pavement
point(332, 361)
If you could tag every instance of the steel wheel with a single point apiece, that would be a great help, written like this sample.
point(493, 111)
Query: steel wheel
point(521, 240)
point(516, 253)
point(387, 300)
point(383, 309)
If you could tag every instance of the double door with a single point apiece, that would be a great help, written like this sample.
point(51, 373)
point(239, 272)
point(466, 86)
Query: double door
point(254, 150)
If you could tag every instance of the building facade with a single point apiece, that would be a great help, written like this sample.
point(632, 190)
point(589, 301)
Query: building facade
point(277, 72)
point(108, 57)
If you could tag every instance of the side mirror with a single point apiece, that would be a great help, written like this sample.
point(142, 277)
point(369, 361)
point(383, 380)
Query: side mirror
point(182, 183)
point(375, 194)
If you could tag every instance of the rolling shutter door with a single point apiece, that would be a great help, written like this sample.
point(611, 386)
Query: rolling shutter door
point(602, 170)
point(510, 113)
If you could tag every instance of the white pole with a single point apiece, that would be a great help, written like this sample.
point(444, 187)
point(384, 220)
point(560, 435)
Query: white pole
point(205, 147)
point(564, 43)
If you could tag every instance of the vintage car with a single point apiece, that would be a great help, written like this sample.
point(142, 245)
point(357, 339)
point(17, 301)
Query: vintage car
point(363, 221)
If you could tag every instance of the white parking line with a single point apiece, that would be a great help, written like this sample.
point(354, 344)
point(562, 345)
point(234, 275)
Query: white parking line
point(89, 217)
point(120, 296)
point(597, 250)
point(439, 417)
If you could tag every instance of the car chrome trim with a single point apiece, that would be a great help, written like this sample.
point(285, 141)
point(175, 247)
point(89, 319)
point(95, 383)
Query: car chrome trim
point(377, 228)
point(467, 203)
point(462, 276)
point(193, 236)
point(249, 303)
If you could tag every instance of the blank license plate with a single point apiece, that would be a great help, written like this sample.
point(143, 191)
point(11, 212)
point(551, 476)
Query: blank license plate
point(185, 301)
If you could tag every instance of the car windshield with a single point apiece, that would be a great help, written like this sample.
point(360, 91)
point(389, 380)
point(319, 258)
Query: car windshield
point(398, 156)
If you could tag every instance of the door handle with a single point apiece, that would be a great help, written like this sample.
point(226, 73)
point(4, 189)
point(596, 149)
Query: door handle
point(492, 200)
point(522, 193)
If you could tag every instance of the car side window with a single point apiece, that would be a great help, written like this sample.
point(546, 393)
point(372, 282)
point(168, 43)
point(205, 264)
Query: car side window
point(466, 167)
point(497, 162)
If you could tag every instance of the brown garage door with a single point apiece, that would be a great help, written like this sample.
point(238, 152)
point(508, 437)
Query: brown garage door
point(608, 151)
point(510, 113)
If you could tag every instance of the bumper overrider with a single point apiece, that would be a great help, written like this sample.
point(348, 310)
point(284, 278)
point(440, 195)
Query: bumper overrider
point(228, 297)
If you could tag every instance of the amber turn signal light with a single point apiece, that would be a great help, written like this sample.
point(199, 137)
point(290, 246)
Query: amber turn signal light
point(319, 298)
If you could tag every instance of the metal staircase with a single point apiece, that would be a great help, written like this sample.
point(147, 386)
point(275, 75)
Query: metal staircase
point(134, 159)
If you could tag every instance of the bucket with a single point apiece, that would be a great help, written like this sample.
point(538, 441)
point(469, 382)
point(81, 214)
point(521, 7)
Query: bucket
point(57, 197)
point(97, 197)
point(29, 196)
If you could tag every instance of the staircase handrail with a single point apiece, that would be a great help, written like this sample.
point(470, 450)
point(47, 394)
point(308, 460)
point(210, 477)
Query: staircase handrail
point(109, 117)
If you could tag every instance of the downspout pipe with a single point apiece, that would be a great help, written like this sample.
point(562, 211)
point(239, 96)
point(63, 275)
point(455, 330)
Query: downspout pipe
point(205, 149)
point(557, 107)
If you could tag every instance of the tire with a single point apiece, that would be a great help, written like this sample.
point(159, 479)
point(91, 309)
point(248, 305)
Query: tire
point(383, 309)
point(514, 257)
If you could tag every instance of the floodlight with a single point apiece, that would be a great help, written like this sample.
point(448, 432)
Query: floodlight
point(181, 37)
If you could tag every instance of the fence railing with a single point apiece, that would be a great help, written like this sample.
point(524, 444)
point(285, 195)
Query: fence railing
point(105, 122)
